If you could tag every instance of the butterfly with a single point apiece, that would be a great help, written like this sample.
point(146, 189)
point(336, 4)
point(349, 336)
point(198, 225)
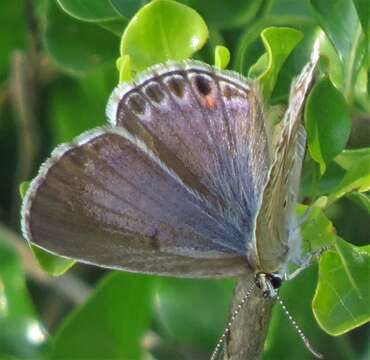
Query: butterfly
point(188, 179)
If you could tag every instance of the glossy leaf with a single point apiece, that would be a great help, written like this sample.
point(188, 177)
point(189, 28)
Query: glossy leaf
point(279, 43)
point(363, 12)
point(179, 317)
point(313, 184)
point(222, 57)
point(339, 20)
point(79, 105)
point(362, 94)
point(357, 178)
point(317, 230)
point(23, 188)
point(64, 37)
point(349, 157)
point(259, 67)
point(362, 200)
point(52, 264)
point(283, 341)
point(89, 10)
point(116, 27)
point(22, 336)
point(128, 8)
point(123, 64)
point(225, 14)
point(342, 298)
point(162, 30)
point(12, 28)
point(111, 324)
point(330, 63)
point(327, 121)
point(289, 8)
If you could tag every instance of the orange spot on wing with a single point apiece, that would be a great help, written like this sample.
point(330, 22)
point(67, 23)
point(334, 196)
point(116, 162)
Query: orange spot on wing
point(209, 101)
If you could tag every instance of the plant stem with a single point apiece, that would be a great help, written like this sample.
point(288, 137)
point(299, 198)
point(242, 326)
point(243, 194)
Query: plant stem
point(249, 329)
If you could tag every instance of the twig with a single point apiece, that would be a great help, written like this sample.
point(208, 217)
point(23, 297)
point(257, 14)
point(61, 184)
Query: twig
point(24, 90)
point(21, 91)
point(249, 329)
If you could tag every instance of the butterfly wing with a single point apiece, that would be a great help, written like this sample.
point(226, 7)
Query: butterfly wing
point(108, 200)
point(207, 126)
point(275, 219)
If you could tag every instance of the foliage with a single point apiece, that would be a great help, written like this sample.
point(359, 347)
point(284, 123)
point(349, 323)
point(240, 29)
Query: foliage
point(73, 50)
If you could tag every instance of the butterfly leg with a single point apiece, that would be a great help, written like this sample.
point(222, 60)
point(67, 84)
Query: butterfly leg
point(307, 261)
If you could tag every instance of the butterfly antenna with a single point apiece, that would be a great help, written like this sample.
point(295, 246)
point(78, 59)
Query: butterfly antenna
point(233, 317)
point(299, 330)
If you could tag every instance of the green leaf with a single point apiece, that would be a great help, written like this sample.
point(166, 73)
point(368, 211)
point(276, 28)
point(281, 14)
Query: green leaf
point(313, 184)
point(342, 298)
point(76, 105)
point(13, 30)
point(222, 57)
point(259, 67)
point(357, 178)
point(124, 68)
point(250, 48)
point(163, 30)
point(111, 324)
point(75, 46)
point(89, 10)
point(348, 158)
point(317, 230)
point(283, 341)
point(363, 12)
point(52, 264)
point(330, 63)
point(362, 93)
point(362, 200)
point(22, 336)
point(23, 187)
point(180, 303)
point(128, 8)
point(116, 27)
point(279, 42)
point(327, 121)
point(339, 20)
point(226, 14)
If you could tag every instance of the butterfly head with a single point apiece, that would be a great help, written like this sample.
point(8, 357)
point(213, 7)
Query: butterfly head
point(269, 283)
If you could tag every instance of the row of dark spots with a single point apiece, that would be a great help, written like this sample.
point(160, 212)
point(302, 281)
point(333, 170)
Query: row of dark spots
point(176, 86)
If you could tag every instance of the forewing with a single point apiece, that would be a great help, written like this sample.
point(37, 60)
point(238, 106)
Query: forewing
point(108, 200)
point(207, 126)
point(276, 218)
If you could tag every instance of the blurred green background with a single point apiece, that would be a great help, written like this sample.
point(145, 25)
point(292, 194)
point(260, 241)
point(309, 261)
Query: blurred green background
point(57, 70)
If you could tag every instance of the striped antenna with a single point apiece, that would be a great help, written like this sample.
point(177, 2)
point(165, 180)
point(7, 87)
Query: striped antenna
point(299, 330)
point(233, 317)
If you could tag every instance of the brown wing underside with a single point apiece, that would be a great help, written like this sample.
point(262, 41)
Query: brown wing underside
point(275, 218)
